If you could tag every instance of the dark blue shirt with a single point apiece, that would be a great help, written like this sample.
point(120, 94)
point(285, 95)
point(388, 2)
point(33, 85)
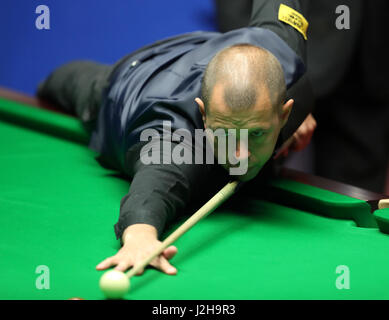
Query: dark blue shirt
point(161, 82)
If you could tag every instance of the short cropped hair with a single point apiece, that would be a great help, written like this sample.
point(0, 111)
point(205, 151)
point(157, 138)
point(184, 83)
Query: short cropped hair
point(244, 70)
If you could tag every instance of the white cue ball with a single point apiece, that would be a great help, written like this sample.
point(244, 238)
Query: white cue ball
point(114, 284)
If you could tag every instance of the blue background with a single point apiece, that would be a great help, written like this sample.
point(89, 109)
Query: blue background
point(99, 30)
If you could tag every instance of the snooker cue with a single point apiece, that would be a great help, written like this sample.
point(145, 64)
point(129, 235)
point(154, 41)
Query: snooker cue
point(204, 211)
point(383, 204)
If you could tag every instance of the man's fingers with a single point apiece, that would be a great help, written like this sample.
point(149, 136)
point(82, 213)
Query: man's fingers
point(303, 135)
point(284, 149)
point(126, 258)
point(123, 266)
point(105, 264)
point(162, 264)
point(166, 267)
point(170, 252)
point(302, 138)
point(300, 143)
point(140, 271)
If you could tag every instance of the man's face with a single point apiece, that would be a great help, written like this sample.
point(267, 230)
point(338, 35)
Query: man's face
point(263, 125)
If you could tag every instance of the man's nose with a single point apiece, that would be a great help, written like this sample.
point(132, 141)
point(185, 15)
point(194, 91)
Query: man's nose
point(242, 151)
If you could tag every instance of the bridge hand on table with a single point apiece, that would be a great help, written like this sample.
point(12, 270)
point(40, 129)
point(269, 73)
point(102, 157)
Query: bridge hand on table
point(139, 241)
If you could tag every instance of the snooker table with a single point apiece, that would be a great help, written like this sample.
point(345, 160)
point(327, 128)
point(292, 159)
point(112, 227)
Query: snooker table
point(58, 207)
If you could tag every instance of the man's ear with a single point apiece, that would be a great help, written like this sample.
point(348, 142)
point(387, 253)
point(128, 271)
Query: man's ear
point(201, 107)
point(286, 110)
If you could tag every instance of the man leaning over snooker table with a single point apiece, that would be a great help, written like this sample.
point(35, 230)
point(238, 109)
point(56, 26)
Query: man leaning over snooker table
point(242, 79)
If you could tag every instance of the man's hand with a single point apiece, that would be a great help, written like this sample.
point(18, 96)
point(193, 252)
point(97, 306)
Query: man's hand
point(139, 241)
point(300, 139)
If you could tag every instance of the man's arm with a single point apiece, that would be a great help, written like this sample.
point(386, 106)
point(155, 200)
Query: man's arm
point(158, 192)
point(265, 14)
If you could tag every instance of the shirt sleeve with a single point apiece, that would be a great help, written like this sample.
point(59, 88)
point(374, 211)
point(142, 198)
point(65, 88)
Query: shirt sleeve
point(265, 14)
point(159, 192)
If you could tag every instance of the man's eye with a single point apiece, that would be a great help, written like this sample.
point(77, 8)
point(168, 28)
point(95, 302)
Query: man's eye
point(256, 134)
